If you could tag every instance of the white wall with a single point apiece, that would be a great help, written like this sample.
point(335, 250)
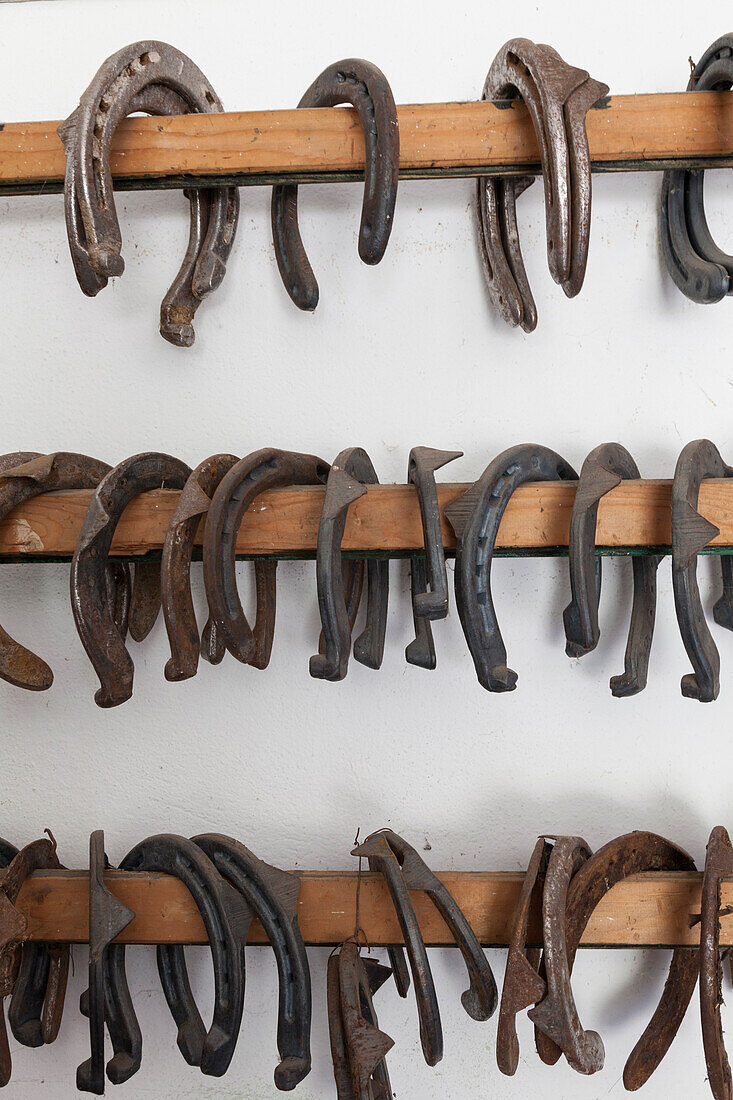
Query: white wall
point(403, 354)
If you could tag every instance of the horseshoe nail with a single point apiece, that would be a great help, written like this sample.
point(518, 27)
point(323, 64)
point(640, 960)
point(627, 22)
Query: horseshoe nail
point(475, 518)
point(99, 635)
point(240, 486)
point(428, 577)
point(691, 533)
point(604, 468)
point(718, 866)
point(365, 87)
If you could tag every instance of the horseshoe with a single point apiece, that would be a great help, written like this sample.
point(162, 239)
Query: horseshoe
point(558, 97)
point(237, 490)
point(99, 635)
point(366, 88)
point(358, 1047)
point(698, 267)
point(691, 532)
point(107, 918)
point(226, 919)
point(349, 475)
point(427, 571)
point(718, 865)
point(158, 79)
point(475, 518)
point(604, 469)
point(523, 985)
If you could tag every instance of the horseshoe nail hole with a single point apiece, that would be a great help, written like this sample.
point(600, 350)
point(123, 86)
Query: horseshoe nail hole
point(145, 59)
point(501, 299)
point(210, 99)
point(340, 78)
point(550, 246)
point(512, 58)
point(698, 284)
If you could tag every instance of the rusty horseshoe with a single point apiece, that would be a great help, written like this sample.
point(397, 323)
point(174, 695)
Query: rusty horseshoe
point(718, 865)
point(358, 1047)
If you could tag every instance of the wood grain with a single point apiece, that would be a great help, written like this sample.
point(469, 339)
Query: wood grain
point(285, 521)
point(253, 147)
point(647, 910)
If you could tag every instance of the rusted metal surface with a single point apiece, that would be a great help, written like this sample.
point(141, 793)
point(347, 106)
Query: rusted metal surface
point(92, 614)
point(227, 918)
point(523, 986)
point(338, 602)
point(700, 269)
point(107, 918)
point(718, 865)
point(691, 533)
point(157, 79)
point(428, 576)
point(264, 469)
point(364, 1045)
point(558, 97)
point(475, 518)
point(366, 88)
point(272, 895)
point(604, 468)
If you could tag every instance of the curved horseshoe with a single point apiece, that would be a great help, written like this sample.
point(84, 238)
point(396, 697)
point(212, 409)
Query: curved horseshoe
point(691, 532)
point(558, 97)
point(366, 88)
point(718, 865)
point(358, 1047)
point(348, 477)
point(158, 79)
point(24, 475)
point(475, 518)
point(428, 576)
point(262, 470)
point(99, 635)
point(604, 468)
point(272, 895)
point(226, 918)
point(698, 267)
point(523, 986)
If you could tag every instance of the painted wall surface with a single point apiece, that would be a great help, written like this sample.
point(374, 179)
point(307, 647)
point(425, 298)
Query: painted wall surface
point(407, 353)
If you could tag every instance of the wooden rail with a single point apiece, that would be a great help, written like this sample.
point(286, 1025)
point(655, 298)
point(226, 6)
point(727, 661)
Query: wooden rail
point(284, 522)
point(652, 910)
point(625, 132)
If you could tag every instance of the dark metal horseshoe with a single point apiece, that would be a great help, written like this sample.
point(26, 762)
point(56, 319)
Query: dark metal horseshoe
point(428, 576)
point(358, 1047)
point(107, 918)
point(523, 985)
point(699, 268)
point(475, 518)
point(718, 865)
point(365, 87)
point(348, 477)
point(99, 635)
point(272, 895)
point(691, 532)
point(158, 79)
point(226, 918)
point(604, 468)
point(264, 469)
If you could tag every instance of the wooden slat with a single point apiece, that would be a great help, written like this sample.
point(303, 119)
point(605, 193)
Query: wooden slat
point(285, 521)
point(646, 910)
point(627, 132)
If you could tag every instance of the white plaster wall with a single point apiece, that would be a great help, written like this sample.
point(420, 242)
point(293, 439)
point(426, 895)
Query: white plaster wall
point(403, 354)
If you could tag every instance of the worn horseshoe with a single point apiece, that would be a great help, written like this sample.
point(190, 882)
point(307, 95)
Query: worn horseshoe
point(358, 1047)
point(604, 468)
point(366, 88)
point(99, 635)
point(226, 918)
point(348, 477)
point(156, 78)
point(428, 576)
point(272, 895)
point(262, 470)
point(107, 918)
point(699, 268)
point(718, 865)
point(475, 518)
point(691, 533)
point(523, 985)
